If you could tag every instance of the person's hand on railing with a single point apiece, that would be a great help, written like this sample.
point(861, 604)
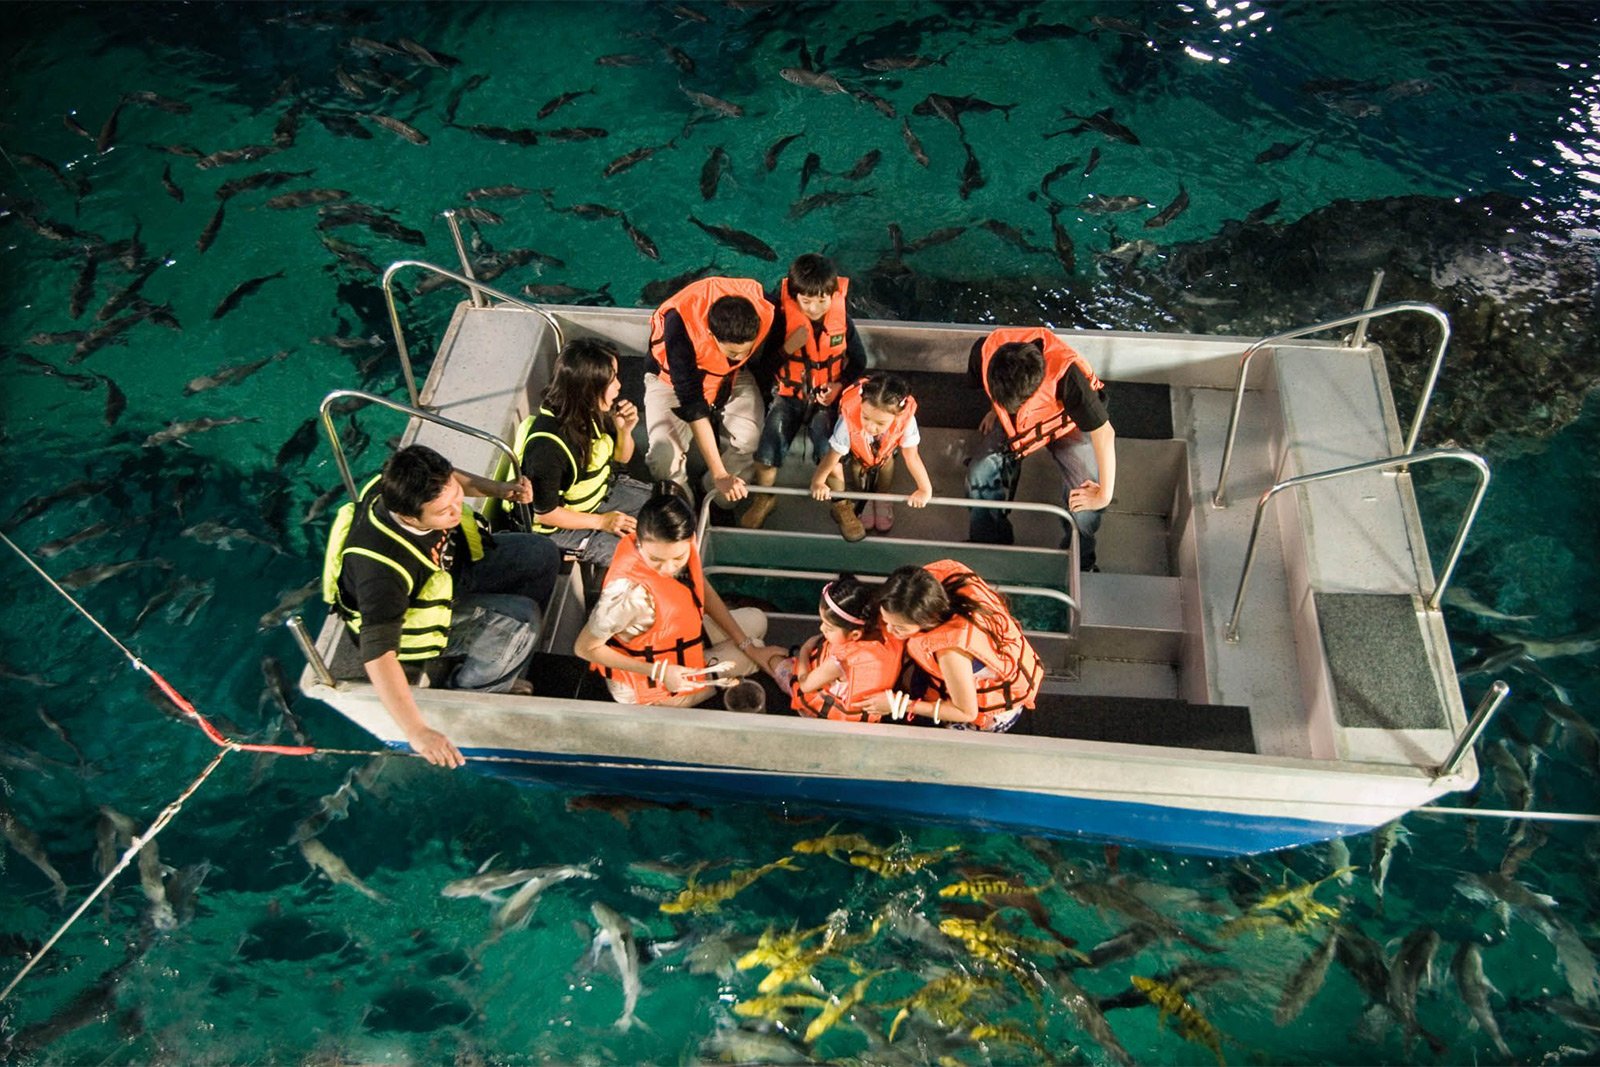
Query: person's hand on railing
point(435, 747)
point(820, 490)
point(731, 487)
point(919, 498)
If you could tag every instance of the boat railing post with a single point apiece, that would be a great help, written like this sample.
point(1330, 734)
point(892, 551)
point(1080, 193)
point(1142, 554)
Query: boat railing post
point(1480, 718)
point(478, 300)
point(319, 666)
point(1359, 337)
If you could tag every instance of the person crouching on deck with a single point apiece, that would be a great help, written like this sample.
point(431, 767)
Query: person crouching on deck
point(1044, 395)
point(656, 614)
point(421, 584)
point(816, 352)
point(981, 671)
point(571, 450)
point(877, 419)
point(838, 671)
point(700, 340)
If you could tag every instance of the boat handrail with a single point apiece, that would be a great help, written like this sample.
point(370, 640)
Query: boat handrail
point(474, 286)
point(1219, 499)
point(427, 416)
point(1461, 454)
point(1480, 718)
point(1074, 594)
point(824, 576)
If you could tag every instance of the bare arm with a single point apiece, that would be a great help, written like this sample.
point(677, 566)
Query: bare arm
point(1091, 495)
point(705, 439)
point(962, 704)
point(826, 673)
point(389, 681)
point(824, 471)
point(764, 656)
point(626, 417)
point(919, 475)
point(518, 492)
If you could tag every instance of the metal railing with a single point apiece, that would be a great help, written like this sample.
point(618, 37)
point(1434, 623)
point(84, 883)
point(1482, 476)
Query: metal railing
point(427, 416)
point(1219, 498)
point(1453, 557)
point(1486, 707)
point(478, 300)
point(1073, 597)
point(474, 286)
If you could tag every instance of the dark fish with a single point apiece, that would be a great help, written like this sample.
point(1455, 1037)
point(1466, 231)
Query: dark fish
point(711, 172)
point(300, 444)
point(95, 573)
point(913, 145)
point(108, 333)
point(247, 154)
point(169, 185)
point(591, 212)
point(350, 255)
point(679, 57)
point(83, 286)
point(505, 192)
point(53, 170)
point(122, 297)
point(885, 108)
point(1066, 254)
point(552, 106)
point(77, 381)
point(524, 137)
point(50, 229)
point(74, 126)
point(714, 103)
point(342, 125)
point(951, 108)
point(655, 292)
point(811, 79)
point(242, 290)
point(1099, 122)
point(368, 47)
point(65, 337)
point(267, 179)
point(108, 132)
point(230, 375)
point(738, 240)
point(801, 208)
point(809, 168)
point(771, 158)
point(479, 214)
point(641, 241)
point(863, 166)
point(1115, 25)
point(116, 401)
point(577, 133)
point(51, 549)
point(638, 155)
point(1095, 204)
point(1009, 233)
point(306, 197)
point(209, 234)
point(38, 505)
point(971, 173)
point(177, 431)
point(394, 125)
point(287, 129)
point(1094, 161)
point(943, 235)
point(565, 293)
point(621, 59)
point(904, 62)
point(457, 93)
point(1265, 211)
point(147, 98)
point(685, 12)
point(347, 83)
point(1059, 172)
point(1279, 150)
point(427, 57)
point(1037, 32)
point(1171, 211)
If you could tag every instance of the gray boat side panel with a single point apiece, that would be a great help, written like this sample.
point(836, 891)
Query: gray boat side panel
point(1381, 672)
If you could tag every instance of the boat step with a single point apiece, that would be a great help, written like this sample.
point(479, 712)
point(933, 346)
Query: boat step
point(1378, 663)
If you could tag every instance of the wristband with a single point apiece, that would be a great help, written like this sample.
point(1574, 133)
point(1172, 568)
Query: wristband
point(936, 706)
point(746, 643)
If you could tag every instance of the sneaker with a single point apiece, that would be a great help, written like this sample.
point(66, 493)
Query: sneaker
point(756, 512)
point(882, 515)
point(844, 513)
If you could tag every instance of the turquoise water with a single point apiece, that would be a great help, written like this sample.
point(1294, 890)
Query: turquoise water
point(1445, 103)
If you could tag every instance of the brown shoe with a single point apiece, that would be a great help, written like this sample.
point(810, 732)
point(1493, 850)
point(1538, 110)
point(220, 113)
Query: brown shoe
point(844, 513)
point(756, 512)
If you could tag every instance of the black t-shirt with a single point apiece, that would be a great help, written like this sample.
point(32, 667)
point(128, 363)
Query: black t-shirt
point(378, 592)
point(1084, 405)
point(549, 467)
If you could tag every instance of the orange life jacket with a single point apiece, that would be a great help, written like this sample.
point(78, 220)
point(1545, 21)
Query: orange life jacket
point(693, 303)
point(872, 455)
point(678, 632)
point(1014, 665)
point(1041, 418)
point(871, 666)
point(820, 361)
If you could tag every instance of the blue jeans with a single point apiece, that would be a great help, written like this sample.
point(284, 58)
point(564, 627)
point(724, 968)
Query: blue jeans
point(993, 476)
point(495, 618)
point(597, 546)
point(783, 424)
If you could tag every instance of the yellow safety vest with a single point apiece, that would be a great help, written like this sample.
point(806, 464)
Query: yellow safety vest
point(589, 486)
point(425, 629)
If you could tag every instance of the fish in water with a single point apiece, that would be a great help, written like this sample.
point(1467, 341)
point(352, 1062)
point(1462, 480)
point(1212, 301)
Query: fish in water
point(169, 185)
point(321, 858)
point(342, 125)
point(454, 102)
point(209, 234)
point(1037, 32)
point(26, 843)
point(551, 106)
point(1279, 150)
point(211, 532)
point(616, 934)
point(288, 600)
point(622, 808)
point(657, 291)
point(177, 431)
point(1467, 969)
point(863, 166)
point(152, 879)
point(913, 145)
point(641, 240)
point(1100, 122)
point(242, 290)
point(1007, 232)
point(94, 574)
point(711, 172)
point(306, 198)
point(630, 159)
point(805, 206)
point(812, 79)
point(885, 108)
point(886, 63)
point(809, 168)
point(621, 59)
point(1171, 211)
point(1265, 211)
point(38, 505)
point(1306, 980)
point(972, 177)
point(704, 898)
point(569, 134)
point(770, 160)
point(480, 214)
point(247, 154)
point(54, 548)
point(498, 192)
point(1056, 174)
point(515, 912)
point(1095, 204)
point(1412, 966)
point(713, 103)
point(232, 375)
point(738, 240)
point(108, 132)
point(396, 126)
point(264, 180)
point(485, 883)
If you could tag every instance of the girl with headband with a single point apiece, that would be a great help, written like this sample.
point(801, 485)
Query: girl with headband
point(840, 670)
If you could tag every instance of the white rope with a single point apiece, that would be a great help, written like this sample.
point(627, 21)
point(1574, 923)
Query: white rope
point(133, 849)
point(1510, 813)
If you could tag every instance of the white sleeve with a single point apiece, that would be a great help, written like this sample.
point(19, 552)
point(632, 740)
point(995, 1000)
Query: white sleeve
point(840, 441)
point(624, 609)
point(913, 436)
